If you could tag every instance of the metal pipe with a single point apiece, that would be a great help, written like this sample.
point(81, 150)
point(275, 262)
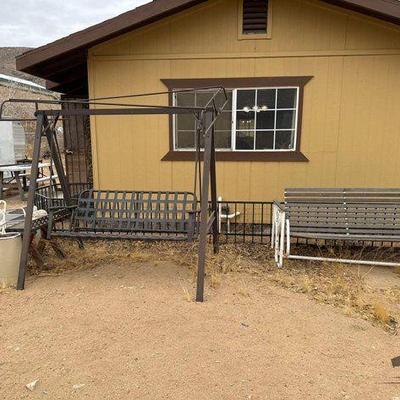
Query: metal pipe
point(121, 111)
point(345, 261)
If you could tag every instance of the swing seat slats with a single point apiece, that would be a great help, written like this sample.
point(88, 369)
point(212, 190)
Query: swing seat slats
point(134, 214)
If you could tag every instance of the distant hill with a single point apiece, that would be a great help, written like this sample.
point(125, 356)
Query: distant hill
point(7, 64)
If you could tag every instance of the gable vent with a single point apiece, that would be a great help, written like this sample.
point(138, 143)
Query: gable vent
point(255, 16)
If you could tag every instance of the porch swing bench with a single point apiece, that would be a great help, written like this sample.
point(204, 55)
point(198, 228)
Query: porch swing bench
point(141, 215)
point(352, 215)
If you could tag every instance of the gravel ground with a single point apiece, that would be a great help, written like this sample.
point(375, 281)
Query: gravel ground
point(131, 331)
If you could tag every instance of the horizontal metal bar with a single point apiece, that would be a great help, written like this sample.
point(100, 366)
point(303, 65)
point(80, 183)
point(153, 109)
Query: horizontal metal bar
point(344, 261)
point(118, 236)
point(93, 99)
point(17, 119)
point(123, 111)
point(340, 190)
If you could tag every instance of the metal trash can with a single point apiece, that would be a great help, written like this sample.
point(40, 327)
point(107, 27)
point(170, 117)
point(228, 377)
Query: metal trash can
point(10, 252)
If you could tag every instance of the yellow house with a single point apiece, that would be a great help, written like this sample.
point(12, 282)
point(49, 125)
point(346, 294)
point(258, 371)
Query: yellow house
point(314, 92)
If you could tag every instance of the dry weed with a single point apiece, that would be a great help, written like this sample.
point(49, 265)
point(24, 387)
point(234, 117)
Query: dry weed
point(381, 313)
point(186, 294)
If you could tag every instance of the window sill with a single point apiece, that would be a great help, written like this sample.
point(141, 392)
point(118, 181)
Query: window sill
point(254, 36)
point(263, 156)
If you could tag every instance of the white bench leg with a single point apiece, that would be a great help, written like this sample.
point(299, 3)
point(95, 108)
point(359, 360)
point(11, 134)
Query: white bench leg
point(273, 227)
point(281, 239)
point(287, 237)
point(276, 236)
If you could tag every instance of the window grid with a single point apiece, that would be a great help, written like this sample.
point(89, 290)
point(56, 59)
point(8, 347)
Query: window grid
point(175, 125)
point(234, 129)
point(275, 109)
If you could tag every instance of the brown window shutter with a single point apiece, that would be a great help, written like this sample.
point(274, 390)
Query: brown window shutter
point(255, 16)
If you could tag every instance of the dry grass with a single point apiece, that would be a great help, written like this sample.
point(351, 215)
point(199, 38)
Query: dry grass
point(186, 294)
point(381, 313)
point(339, 285)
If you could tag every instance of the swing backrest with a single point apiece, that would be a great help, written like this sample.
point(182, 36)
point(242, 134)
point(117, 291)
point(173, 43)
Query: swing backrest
point(135, 211)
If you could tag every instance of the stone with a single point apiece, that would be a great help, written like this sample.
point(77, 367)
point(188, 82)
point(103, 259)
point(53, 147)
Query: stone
point(78, 386)
point(32, 385)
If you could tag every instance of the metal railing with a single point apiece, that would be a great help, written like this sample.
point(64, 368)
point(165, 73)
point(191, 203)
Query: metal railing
point(245, 221)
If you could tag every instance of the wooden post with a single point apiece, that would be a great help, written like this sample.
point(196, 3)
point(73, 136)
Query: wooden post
point(26, 239)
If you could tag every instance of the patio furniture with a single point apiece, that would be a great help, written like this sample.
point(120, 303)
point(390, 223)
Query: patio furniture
point(12, 221)
point(340, 214)
point(134, 215)
point(19, 173)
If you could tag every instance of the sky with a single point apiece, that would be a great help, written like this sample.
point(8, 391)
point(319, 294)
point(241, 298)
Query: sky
point(32, 23)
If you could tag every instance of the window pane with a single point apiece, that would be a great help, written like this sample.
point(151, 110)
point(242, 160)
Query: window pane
point(223, 139)
point(287, 98)
point(284, 140)
point(264, 140)
point(266, 120)
point(245, 140)
point(185, 122)
point(224, 121)
point(285, 119)
point(245, 120)
point(202, 98)
point(185, 99)
point(220, 100)
point(246, 99)
point(266, 98)
point(185, 140)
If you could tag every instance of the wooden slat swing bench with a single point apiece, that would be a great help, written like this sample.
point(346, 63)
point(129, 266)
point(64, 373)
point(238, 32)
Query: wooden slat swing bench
point(144, 215)
point(355, 215)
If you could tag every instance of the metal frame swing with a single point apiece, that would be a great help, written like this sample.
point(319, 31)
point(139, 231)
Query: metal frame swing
point(205, 179)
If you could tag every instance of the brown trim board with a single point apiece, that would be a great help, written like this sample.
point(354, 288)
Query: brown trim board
point(264, 156)
point(235, 83)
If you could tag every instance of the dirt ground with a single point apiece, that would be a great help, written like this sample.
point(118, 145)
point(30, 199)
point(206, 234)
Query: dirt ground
point(130, 330)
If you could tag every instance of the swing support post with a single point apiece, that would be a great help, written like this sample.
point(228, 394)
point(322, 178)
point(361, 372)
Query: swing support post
point(208, 218)
point(26, 238)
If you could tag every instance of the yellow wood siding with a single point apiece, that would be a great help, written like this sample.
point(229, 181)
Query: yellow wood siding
point(351, 125)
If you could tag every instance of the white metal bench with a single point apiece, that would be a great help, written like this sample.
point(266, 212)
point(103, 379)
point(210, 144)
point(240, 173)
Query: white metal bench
point(340, 214)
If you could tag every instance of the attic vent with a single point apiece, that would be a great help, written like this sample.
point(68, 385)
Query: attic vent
point(255, 16)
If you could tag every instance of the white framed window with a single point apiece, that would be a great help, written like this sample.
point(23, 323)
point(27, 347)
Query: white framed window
point(260, 119)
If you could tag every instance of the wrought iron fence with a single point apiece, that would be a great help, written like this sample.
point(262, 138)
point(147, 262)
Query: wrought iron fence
point(245, 221)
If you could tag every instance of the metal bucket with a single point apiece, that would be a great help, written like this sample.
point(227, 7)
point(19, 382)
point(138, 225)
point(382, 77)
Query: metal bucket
point(10, 252)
